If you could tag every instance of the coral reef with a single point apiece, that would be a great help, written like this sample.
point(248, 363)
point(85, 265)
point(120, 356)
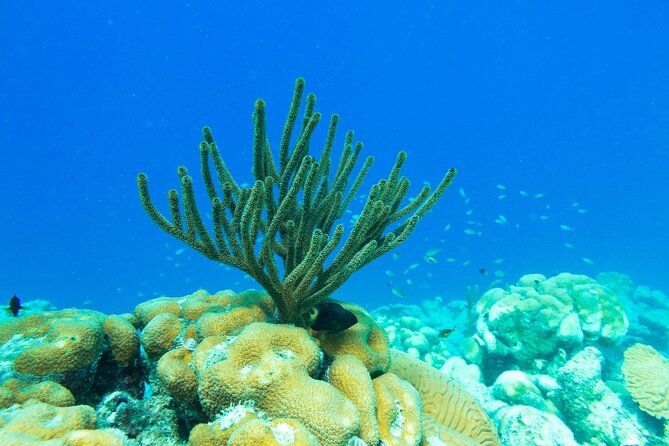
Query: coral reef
point(546, 360)
point(207, 376)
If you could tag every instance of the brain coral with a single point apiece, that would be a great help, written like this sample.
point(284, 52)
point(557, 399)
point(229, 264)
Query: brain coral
point(446, 401)
point(15, 392)
point(67, 344)
point(366, 340)
point(123, 339)
point(646, 375)
point(159, 334)
point(274, 365)
point(39, 421)
point(349, 375)
point(175, 374)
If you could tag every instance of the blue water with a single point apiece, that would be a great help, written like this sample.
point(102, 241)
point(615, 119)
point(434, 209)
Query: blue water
point(565, 99)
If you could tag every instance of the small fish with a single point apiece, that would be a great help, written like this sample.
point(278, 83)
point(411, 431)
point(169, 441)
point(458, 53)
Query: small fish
point(483, 272)
point(413, 266)
point(389, 273)
point(502, 196)
point(543, 217)
point(501, 187)
point(409, 282)
point(396, 255)
point(470, 231)
point(432, 251)
point(447, 227)
point(570, 246)
point(582, 211)
point(179, 251)
point(451, 259)
point(430, 259)
point(14, 305)
point(330, 317)
point(566, 228)
point(462, 193)
point(445, 332)
point(398, 292)
point(500, 273)
point(469, 212)
point(587, 260)
point(498, 261)
point(538, 195)
point(501, 220)
point(575, 204)
point(87, 302)
point(524, 194)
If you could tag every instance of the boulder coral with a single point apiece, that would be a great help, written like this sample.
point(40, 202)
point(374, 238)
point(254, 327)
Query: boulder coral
point(366, 340)
point(336, 387)
point(242, 383)
point(65, 342)
point(275, 365)
point(539, 315)
point(159, 335)
point(14, 391)
point(123, 339)
point(34, 420)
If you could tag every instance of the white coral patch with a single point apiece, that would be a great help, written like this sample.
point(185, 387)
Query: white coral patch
point(284, 434)
point(284, 354)
point(398, 423)
point(236, 412)
point(434, 441)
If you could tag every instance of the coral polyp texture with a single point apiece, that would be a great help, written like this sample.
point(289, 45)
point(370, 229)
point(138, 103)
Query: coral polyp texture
point(290, 212)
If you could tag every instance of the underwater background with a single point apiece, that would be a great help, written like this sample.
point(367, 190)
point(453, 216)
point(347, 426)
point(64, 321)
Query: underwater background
point(555, 114)
point(528, 307)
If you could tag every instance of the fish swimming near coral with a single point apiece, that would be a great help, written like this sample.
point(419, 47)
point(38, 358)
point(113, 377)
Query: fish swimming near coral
point(14, 305)
point(445, 332)
point(330, 317)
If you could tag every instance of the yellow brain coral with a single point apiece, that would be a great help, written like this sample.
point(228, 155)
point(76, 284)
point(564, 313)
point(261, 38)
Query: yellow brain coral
point(159, 334)
point(175, 374)
point(228, 322)
point(349, 375)
point(278, 432)
point(123, 339)
point(69, 344)
point(366, 340)
point(445, 400)
point(15, 392)
point(89, 437)
point(399, 411)
point(273, 366)
point(39, 421)
point(646, 375)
